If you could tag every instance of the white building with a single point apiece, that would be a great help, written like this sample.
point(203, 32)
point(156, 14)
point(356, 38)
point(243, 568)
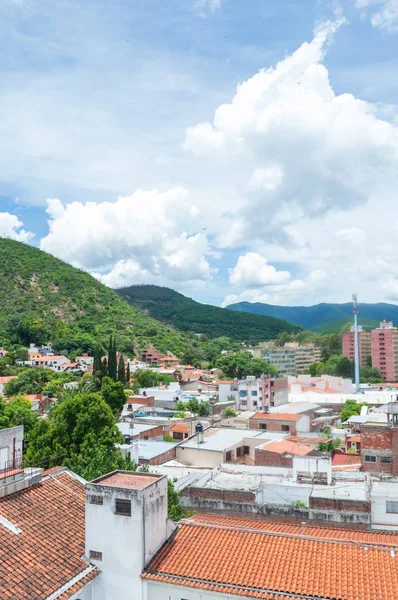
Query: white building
point(263, 392)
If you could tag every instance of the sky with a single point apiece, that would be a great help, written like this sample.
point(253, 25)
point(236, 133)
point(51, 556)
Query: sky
point(233, 150)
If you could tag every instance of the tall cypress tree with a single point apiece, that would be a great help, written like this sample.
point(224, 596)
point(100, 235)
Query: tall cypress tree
point(97, 364)
point(128, 375)
point(121, 374)
point(112, 361)
point(104, 368)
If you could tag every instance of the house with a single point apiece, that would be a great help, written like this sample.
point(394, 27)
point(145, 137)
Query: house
point(153, 357)
point(283, 422)
point(261, 393)
point(86, 361)
point(153, 452)
point(216, 446)
point(3, 352)
point(180, 431)
point(280, 453)
point(139, 431)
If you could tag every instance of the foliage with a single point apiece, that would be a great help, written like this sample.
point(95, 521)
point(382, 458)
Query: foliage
point(112, 360)
point(300, 504)
point(168, 438)
point(187, 315)
point(174, 508)
point(35, 380)
point(95, 460)
point(229, 412)
point(18, 411)
point(329, 446)
point(43, 298)
point(241, 364)
point(352, 451)
point(121, 371)
point(74, 424)
point(144, 378)
point(350, 408)
point(337, 365)
point(113, 394)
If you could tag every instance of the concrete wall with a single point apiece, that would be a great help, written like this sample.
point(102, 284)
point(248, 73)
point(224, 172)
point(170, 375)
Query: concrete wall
point(11, 442)
point(199, 457)
point(160, 458)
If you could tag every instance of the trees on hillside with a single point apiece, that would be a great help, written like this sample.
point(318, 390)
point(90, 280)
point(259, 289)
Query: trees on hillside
point(113, 394)
point(18, 411)
point(112, 360)
point(241, 364)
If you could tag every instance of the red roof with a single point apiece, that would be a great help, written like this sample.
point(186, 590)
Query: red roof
point(276, 416)
point(47, 554)
point(343, 461)
point(287, 447)
point(248, 558)
point(5, 380)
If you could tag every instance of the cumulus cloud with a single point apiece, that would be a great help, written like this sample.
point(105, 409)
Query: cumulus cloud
point(253, 270)
point(294, 149)
point(287, 291)
point(385, 17)
point(11, 227)
point(146, 237)
point(211, 5)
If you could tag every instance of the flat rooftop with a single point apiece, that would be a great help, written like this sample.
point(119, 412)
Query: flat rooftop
point(148, 449)
point(218, 439)
point(138, 428)
point(127, 480)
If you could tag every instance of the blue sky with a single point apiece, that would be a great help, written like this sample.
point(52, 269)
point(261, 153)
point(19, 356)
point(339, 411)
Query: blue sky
point(128, 151)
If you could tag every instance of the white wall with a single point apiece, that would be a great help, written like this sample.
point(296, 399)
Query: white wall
point(312, 464)
point(7, 437)
point(381, 492)
point(199, 457)
point(126, 543)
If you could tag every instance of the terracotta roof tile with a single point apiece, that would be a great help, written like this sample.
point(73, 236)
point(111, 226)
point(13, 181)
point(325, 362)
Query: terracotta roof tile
point(233, 559)
point(276, 416)
point(46, 555)
point(287, 447)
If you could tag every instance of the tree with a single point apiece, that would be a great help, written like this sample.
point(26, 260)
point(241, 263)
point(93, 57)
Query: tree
point(74, 425)
point(128, 375)
point(97, 370)
point(351, 408)
point(144, 378)
point(121, 371)
point(203, 409)
point(240, 364)
point(113, 394)
point(112, 360)
point(175, 511)
point(229, 412)
point(329, 446)
point(168, 438)
point(104, 368)
point(96, 460)
point(192, 405)
point(18, 411)
point(181, 406)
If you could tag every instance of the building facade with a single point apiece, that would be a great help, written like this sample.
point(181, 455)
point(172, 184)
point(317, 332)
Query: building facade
point(364, 345)
point(385, 351)
point(261, 393)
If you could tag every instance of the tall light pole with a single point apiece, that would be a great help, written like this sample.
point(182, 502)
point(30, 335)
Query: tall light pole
point(356, 342)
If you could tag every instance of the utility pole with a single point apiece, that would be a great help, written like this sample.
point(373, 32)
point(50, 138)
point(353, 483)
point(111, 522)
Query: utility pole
point(356, 342)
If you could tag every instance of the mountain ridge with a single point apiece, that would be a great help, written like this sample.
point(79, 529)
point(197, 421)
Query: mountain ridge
point(186, 314)
point(311, 317)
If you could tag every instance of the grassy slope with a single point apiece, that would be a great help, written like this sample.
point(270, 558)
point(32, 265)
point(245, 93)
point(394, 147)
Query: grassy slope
point(67, 303)
point(310, 317)
point(186, 314)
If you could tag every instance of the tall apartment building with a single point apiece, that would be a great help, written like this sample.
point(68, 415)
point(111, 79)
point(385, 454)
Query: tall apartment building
point(263, 392)
point(385, 350)
point(364, 343)
point(291, 359)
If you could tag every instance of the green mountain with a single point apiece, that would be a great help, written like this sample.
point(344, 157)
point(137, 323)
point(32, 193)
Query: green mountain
point(344, 324)
point(185, 314)
point(43, 299)
point(310, 317)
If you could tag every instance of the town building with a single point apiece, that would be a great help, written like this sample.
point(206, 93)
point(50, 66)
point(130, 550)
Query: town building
point(261, 393)
point(385, 351)
point(379, 442)
point(364, 345)
point(283, 359)
point(290, 359)
point(153, 357)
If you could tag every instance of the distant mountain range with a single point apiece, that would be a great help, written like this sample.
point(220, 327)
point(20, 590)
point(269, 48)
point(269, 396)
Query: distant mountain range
point(186, 314)
point(322, 317)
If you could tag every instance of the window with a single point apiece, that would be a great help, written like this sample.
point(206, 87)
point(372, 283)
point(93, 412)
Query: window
point(254, 393)
point(263, 425)
point(285, 428)
point(123, 507)
point(385, 459)
point(243, 393)
point(239, 451)
point(392, 506)
point(246, 449)
point(178, 435)
point(96, 500)
point(94, 555)
point(228, 456)
point(369, 458)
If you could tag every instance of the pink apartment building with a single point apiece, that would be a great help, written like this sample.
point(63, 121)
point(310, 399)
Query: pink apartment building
point(365, 350)
point(385, 351)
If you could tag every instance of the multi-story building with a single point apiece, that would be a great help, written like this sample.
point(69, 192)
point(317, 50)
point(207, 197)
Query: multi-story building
point(385, 351)
point(364, 345)
point(261, 393)
point(290, 359)
point(379, 443)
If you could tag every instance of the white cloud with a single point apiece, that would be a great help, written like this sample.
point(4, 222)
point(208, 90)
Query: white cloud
point(10, 227)
point(292, 149)
point(253, 270)
point(203, 5)
point(146, 237)
point(386, 17)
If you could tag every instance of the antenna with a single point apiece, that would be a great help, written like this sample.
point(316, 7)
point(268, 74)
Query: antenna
point(356, 341)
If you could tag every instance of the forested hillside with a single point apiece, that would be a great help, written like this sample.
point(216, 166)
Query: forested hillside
point(186, 314)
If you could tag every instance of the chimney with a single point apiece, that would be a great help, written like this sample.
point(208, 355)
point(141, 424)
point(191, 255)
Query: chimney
point(199, 433)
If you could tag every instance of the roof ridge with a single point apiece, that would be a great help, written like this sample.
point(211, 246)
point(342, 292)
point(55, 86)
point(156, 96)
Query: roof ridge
point(242, 529)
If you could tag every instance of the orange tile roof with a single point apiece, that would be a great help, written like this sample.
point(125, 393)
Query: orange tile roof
point(128, 480)
point(243, 558)
point(286, 447)
point(46, 555)
point(354, 438)
point(180, 427)
point(276, 416)
point(342, 461)
point(7, 379)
